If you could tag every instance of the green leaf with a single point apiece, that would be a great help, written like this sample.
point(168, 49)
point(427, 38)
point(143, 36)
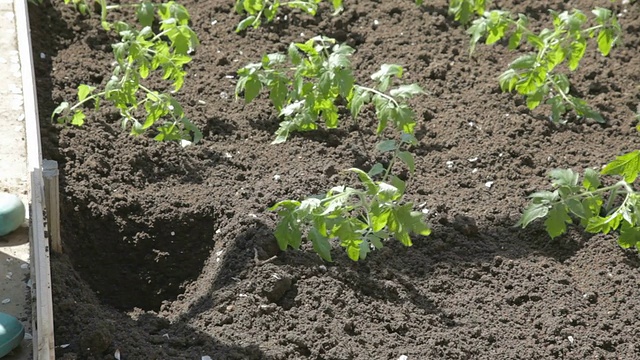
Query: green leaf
point(84, 91)
point(406, 91)
point(398, 184)
point(248, 21)
point(379, 217)
point(523, 62)
point(564, 177)
point(576, 51)
point(387, 192)
point(557, 220)
point(629, 236)
point(386, 145)
point(407, 158)
point(278, 90)
point(533, 212)
point(62, 109)
point(627, 165)
point(145, 13)
point(359, 98)
point(558, 108)
point(294, 54)
point(321, 244)
point(605, 41)
point(534, 99)
point(376, 169)
point(604, 225)
point(344, 79)
point(584, 110)
point(252, 88)
point(591, 180)
point(577, 208)
point(287, 231)
point(78, 118)
point(372, 188)
point(384, 75)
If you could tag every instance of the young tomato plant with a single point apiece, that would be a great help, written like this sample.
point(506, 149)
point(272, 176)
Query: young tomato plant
point(598, 208)
point(464, 11)
point(309, 82)
point(534, 75)
point(360, 218)
point(258, 11)
point(139, 52)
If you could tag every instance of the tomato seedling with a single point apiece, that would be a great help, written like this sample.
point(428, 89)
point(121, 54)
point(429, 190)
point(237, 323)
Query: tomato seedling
point(360, 218)
point(599, 209)
point(464, 11)
point(139, 52)
point(307, 84)
point(259, 11)
point(534, 75)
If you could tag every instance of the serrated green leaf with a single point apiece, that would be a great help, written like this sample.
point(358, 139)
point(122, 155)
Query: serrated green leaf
point(523, 62)
point(558, 108)
point(252, 88)
point(541, 197)
point(278, 90)
point(515, 39)
point(534, 99)
point(533, 212)
point(605, 41)
point(145, 13)
point(407, 158)
point(359, 98)
point(591, 180)
point(372, 188)
point(388, 192)
point(557, 220)
point(564, 177)
point(344, 80)
point(287, 232)
point(627, 165)
point(386, 146)
point(321, 244)
point(406, 91)
point(78, 118)
point(604, 225)
point(577, 208)
point(379, 217)
point(629, 236)
point(398, 184)
point(584, 110)
point(384, 75)
point(576, 51)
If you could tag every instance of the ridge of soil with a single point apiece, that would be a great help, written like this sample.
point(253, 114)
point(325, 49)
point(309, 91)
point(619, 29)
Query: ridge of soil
point(165, 247)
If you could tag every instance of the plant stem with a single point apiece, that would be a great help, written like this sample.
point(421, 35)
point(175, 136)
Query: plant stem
point(365, 88)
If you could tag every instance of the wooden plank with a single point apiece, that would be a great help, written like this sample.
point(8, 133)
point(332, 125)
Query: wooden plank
point(43, 339)
point(52, 203)
point(44, 344)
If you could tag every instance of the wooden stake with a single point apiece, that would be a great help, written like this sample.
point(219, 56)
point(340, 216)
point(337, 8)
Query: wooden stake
point(42, 318)
point(52, 202)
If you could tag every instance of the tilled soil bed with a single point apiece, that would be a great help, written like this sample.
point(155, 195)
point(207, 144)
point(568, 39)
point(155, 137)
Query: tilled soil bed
point(165, 247)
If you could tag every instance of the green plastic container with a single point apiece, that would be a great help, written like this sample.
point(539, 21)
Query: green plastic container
point(12, 213)
point(11, 333)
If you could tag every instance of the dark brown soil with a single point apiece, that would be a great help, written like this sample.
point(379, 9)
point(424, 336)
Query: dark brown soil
point(160, 241)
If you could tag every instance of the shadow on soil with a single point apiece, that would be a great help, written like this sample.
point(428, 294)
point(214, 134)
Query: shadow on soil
point(453, 245)
point(78, 311)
